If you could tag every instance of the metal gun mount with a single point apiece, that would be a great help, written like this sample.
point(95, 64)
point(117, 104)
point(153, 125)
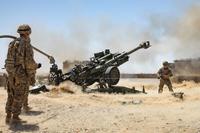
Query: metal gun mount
point(102, 68)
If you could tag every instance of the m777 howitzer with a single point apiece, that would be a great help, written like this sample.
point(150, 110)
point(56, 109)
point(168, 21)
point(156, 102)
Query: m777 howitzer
point(102, 68)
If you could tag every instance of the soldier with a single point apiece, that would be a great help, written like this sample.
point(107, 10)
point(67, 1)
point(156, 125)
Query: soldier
point(21, 68)
point(164, 75)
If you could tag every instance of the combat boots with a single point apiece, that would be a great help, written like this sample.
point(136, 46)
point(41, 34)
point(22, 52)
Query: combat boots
point(16, 119)
point(27, 109)
point(8, 118)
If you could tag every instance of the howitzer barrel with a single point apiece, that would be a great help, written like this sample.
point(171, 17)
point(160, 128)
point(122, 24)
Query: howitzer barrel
point(144, 45)
point(123, 57)
point(8, 36)
point(52, 60)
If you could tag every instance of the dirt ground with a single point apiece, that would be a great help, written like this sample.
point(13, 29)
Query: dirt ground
point(59, 111)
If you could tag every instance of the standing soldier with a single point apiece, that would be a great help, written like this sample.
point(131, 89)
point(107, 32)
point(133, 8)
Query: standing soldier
point(164, 75)
point(21, 68)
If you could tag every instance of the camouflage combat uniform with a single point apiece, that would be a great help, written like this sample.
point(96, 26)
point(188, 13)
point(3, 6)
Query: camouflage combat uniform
point(164, 74)
point(21, 69)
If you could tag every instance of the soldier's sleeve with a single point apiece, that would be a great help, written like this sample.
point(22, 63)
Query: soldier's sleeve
point(159, 71)
point(19, 53)
point(12, 58)
point(9, 51)
point(170, 73)
point(31, 65)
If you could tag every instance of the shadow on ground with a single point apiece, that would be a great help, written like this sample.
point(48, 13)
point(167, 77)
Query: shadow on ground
point(24, 127)
point(34, 113)
point(116, 90)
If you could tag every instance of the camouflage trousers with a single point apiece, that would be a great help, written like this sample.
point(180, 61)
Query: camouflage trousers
point(25, 100)
point(16, 88)
point(165, 82)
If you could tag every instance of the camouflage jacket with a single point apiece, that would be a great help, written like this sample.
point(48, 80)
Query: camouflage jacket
point(165, 72)
point(20, 55)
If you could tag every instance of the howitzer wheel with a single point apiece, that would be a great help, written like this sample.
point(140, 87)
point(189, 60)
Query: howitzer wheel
point(112, 75)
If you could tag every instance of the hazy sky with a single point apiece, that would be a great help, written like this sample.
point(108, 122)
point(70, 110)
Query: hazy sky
point(73, 22)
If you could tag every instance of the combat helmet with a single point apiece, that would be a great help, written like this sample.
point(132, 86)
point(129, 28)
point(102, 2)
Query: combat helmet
point(24, 28)
point(165, 63)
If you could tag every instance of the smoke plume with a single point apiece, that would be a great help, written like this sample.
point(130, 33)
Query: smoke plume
point(171, 39)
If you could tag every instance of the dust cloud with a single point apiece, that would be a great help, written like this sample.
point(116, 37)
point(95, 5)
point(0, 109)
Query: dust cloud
point(174, 38)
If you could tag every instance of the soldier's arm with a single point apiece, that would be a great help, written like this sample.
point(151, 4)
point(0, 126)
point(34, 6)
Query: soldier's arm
point(170, 73)
point(159, 73)
point(31, 65)
point(20, 53)
point(29, 59)
point(15, 54)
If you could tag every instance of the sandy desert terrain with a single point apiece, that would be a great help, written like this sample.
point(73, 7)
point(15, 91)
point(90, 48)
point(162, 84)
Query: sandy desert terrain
point(59, 111)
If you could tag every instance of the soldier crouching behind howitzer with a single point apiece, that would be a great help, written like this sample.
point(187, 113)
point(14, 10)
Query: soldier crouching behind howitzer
point(164, 75)
point(21, 68)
